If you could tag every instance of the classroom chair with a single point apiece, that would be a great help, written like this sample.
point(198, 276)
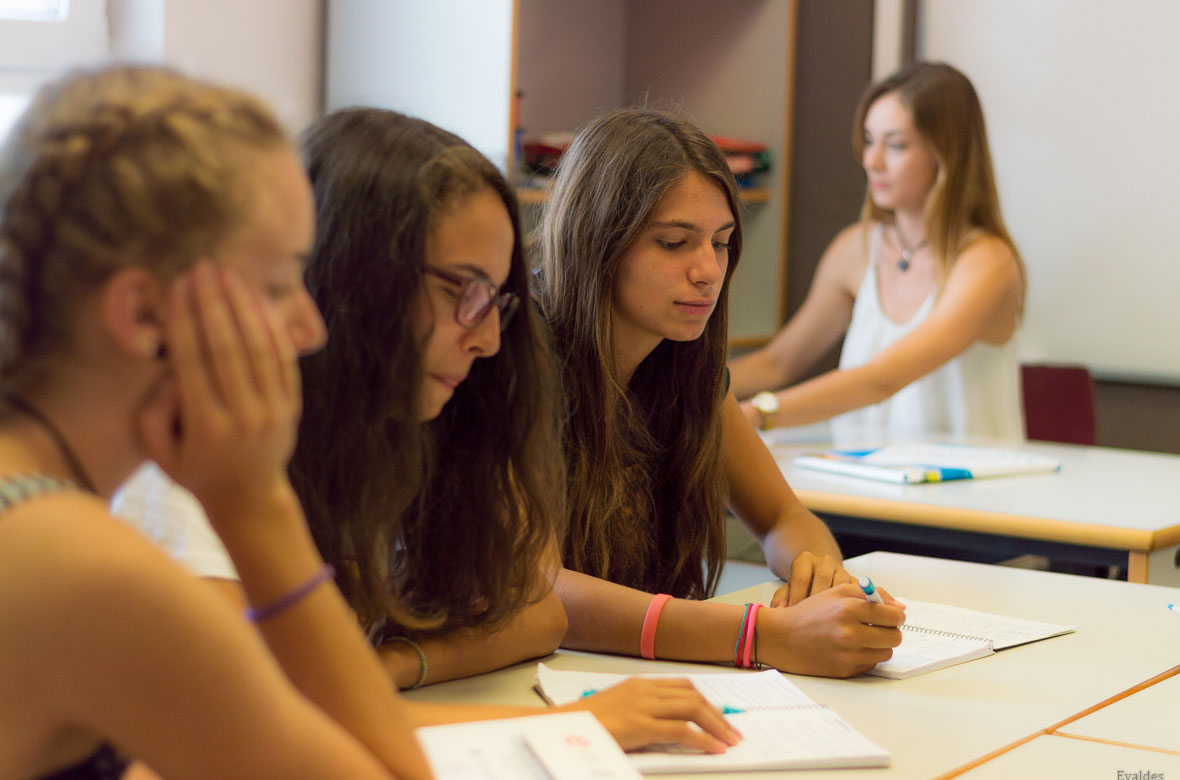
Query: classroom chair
point(1058, 403)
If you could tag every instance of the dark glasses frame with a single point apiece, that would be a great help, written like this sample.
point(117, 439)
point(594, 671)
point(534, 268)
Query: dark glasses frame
point(477, 298)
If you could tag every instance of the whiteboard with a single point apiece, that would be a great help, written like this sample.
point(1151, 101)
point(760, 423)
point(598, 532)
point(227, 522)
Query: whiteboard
point(1082, 99)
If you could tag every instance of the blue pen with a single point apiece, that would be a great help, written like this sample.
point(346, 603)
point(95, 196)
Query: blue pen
point(1174, 609)
point(727, 710)
point(870, 590)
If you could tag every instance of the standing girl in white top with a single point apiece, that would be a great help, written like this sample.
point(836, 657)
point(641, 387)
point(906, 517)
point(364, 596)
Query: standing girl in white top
point(927, 288)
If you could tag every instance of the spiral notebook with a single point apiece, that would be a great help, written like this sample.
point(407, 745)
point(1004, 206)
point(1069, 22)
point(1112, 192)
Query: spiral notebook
point(782, 727)
point(936, 636)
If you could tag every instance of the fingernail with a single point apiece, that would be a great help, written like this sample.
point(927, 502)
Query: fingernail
point(735, 736)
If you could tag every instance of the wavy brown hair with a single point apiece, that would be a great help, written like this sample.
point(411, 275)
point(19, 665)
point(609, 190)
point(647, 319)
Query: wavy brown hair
point(948, 115)
point(109, 168)
point(435, 525)
point(646, 491)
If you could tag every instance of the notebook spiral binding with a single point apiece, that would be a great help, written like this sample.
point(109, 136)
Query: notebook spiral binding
point(949, 634)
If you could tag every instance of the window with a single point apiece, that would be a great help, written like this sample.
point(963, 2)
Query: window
point(39, 39)
point(34, 10)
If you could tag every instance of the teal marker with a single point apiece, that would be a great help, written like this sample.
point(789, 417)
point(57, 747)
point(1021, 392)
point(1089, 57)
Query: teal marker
point(870, 590)
point(727, 710)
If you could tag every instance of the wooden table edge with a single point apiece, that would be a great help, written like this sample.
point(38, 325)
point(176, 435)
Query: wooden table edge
point(996, 523)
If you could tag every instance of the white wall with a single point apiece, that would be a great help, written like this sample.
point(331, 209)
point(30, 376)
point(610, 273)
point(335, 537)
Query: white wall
point(447, 61)
point(269, 47)
point(1082, 99)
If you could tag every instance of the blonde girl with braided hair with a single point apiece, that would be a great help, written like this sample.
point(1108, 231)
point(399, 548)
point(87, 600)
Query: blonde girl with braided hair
point(152, 240)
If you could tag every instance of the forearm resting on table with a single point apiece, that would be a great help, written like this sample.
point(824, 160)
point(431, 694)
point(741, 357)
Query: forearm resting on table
point(608, 618)
point(535, 631)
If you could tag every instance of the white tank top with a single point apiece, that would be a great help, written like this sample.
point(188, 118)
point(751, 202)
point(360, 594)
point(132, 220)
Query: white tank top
point(976, 393)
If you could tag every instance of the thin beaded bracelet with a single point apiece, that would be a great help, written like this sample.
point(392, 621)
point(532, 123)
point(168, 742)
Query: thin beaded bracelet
point(737, 648)
point(751, 636)
point(421, 657)
point(325, 573)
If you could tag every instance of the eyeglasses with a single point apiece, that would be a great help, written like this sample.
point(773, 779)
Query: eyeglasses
point(477, 298)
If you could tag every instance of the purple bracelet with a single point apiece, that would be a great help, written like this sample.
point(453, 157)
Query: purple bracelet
point(260, 614)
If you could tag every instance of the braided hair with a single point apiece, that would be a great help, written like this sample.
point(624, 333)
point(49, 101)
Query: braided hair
point(108, 168)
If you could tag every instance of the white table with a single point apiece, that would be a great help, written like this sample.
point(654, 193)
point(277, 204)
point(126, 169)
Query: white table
point(1052, 757)
point(1104, 506)
point(1149, 718)
point(944, 720)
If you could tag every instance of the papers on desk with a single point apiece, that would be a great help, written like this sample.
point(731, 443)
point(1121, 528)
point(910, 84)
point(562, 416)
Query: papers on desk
point(781, 726)
point(936, 636)
point(562, 746)
point(912, 463)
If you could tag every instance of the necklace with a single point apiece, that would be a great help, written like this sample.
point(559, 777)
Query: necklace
point(59, 440)
point(903, 263)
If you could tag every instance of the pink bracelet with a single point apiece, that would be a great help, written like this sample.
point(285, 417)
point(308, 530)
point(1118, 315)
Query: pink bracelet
point(751, 625)
point(647, 637)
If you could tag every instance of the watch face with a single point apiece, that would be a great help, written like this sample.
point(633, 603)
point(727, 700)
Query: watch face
point(765, 402)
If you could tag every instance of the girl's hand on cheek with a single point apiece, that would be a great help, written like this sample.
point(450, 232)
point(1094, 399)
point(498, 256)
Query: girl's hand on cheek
point(237, 393)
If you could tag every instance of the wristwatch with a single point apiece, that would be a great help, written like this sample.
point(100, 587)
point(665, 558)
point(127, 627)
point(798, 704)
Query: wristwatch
point(766, 404)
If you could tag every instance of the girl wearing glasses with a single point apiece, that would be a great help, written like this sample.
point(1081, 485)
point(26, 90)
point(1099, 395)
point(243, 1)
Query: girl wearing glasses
point(926, 290)
point(640, 236)
point(152, 230)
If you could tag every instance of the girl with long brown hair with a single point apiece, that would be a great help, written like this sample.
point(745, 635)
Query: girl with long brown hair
point(145, 218)
point(927, 289)
point(640, 237)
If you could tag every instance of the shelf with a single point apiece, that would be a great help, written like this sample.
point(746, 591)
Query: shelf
point(531, 197)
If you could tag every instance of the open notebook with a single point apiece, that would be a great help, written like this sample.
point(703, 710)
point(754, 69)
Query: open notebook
point(936, 636)
point(909, 463)
point(561, 746)
point(781, 726)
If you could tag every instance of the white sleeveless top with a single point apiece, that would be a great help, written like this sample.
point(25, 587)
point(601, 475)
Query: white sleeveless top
point(976, 393)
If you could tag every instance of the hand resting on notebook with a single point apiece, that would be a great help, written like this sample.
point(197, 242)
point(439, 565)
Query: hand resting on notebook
point(639, 712)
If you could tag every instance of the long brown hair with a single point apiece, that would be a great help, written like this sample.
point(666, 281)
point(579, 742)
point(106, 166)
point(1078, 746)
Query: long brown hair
point(646, 488)
point(109, 168)
point(948, 115)
point(434, 525)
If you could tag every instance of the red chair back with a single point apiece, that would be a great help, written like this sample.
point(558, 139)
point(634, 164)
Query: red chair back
point(1058, 404)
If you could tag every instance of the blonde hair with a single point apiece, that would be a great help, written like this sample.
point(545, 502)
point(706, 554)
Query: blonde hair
point(946, 111)
point(108, 168)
